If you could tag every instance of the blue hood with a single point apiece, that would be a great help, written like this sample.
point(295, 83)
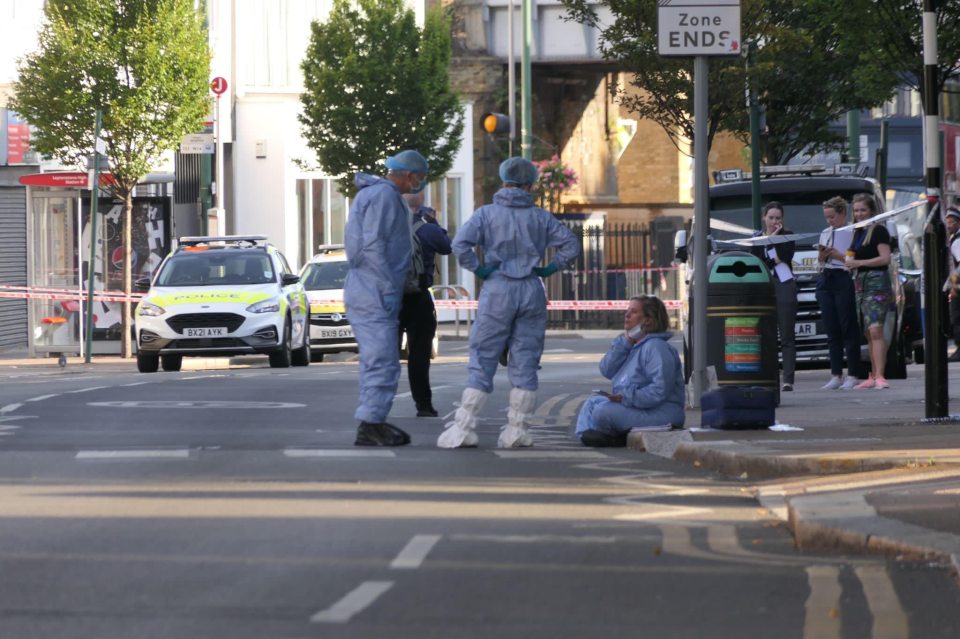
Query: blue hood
point(513, 197)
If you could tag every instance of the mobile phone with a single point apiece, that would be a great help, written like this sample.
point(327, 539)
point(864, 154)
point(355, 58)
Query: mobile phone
point(597, 391)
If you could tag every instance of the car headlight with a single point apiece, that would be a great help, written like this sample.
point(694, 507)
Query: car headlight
point(146, 309)
point(271, 305)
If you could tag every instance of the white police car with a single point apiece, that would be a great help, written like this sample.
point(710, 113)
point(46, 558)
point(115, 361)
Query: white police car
point(323, 277)
point(221, 296)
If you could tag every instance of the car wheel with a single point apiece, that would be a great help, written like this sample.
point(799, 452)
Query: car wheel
point(316, 357)
point(171, 363)
point(301, 356)
point(280, 358)
point(147, 363)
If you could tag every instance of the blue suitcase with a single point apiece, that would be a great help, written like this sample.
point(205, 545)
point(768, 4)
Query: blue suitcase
point(738, 407)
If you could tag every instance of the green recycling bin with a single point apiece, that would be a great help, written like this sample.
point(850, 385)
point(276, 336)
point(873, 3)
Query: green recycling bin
point(742, 343)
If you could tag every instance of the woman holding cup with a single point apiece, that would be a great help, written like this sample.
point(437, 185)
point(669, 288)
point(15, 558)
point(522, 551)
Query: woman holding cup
point(871, 260)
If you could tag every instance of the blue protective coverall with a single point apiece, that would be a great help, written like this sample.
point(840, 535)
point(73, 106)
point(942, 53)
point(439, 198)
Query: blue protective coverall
point(378, 245)
point(512, 310)
point(649, 376)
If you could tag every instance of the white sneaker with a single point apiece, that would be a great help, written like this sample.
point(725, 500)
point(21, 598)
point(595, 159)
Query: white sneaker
point(849, 383)
point(834, 383)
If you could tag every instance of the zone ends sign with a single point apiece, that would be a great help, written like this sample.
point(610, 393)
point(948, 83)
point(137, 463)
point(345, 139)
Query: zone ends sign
point(698, 27)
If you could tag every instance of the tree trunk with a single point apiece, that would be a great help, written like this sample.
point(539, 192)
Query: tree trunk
point(126, 348)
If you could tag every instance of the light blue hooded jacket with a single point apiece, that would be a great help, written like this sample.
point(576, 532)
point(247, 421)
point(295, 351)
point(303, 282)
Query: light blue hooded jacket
point(649, 376)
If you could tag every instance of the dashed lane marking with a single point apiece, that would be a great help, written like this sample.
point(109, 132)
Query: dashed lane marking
point(86, 390)
point(180, 453)
point(889, 619)
point(415, 552)
point(41, 397)
point(9, 408)
point(353, 602)
point(822, 609)
point(333, 453)
point(575, 455)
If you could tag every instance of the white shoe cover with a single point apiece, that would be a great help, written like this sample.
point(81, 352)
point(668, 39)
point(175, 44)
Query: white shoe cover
point(514, 434)
point(460, 432)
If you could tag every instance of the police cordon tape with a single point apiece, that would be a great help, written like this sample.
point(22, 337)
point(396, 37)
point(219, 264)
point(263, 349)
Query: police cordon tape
point(64, 294)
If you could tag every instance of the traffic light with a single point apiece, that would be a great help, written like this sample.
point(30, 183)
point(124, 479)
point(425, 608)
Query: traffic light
point(495, 123)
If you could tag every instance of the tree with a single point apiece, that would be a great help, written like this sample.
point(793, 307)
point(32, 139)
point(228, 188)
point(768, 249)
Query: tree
point(801, 74)
point(144, 63)
point(895, 32)
point(376, 84)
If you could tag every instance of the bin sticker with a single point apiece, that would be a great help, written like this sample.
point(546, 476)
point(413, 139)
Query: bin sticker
point(741, 344)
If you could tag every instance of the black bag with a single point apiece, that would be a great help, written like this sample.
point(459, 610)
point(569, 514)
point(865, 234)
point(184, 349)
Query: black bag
point(738, 407)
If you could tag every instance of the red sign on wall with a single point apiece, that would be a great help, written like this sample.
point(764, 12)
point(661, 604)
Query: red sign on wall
point(63, 179)
point(18, 139)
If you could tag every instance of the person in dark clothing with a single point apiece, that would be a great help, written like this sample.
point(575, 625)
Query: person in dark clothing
point(952, 222)
point(418, 317)
point(779, 259)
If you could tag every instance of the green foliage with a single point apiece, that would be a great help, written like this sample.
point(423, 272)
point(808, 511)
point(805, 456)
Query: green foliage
point(808, 71)
point(144, 63)
point(376, 84)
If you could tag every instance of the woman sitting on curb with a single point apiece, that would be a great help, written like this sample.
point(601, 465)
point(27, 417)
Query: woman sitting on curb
point(647, 379)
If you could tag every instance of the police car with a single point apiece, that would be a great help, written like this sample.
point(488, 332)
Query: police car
point(323, 277)
point(222, 296)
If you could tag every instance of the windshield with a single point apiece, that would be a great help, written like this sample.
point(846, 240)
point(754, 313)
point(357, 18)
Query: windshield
point(216, 268)
point(324, 276)
point(803, 213)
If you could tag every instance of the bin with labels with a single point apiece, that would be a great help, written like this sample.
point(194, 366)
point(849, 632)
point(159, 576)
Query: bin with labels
point(742, 343)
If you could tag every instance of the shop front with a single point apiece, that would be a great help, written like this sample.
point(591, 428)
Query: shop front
point(59, 257)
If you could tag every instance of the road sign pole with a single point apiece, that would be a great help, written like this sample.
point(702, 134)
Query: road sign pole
point(94, 191)
point(221, 223)
point(701, 222)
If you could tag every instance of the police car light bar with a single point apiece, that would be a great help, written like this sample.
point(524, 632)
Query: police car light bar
point(329, 248)
point(226, 239)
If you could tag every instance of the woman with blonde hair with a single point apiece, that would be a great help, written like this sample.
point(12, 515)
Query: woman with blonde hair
point(870, 260)
point(647, 379)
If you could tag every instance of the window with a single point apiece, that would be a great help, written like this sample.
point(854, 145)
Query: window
point(322, 214)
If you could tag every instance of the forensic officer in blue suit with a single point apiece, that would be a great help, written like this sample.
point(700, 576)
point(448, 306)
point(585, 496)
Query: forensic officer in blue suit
point(378, 245)
point(512, 310)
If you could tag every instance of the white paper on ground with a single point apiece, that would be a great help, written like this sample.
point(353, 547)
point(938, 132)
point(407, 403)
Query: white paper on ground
point(784, 427)
point(650, 429)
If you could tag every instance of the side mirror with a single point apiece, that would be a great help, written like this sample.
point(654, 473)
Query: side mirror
point(142, 285)
point(289, 278)
point(680, 245)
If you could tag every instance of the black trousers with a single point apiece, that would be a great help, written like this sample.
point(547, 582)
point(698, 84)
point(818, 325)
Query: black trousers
point(418, 318)
point(838, 308)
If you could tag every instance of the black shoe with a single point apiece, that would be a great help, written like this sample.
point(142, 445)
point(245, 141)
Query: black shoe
point(427, 410)
point(382, 434)
point(597, 439)
point(955, 357)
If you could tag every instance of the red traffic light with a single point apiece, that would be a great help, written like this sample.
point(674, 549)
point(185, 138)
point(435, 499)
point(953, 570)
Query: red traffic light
point(495, 123)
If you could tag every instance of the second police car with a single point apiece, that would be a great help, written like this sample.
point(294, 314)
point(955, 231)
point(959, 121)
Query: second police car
point(222, 296)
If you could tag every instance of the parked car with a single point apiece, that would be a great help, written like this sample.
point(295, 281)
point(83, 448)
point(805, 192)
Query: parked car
point(215, 296)
point(323, 277)
point(802, 191)
point(330, 332)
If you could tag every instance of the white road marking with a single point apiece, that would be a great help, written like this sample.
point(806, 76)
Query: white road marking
point(822, 618)
point(536, 539)
point(415, 551)
point(353, 602)
point(181, 453)
point(135, 384)
point(193, 404)
point(42, 397)
point(511, 453)
point(667, 512)
point(9, 408)
point(889, 620)
point(86, 390)
point(405, 395)
point(326, 453)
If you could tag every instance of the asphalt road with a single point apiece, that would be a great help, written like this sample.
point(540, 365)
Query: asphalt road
point(232, 504)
